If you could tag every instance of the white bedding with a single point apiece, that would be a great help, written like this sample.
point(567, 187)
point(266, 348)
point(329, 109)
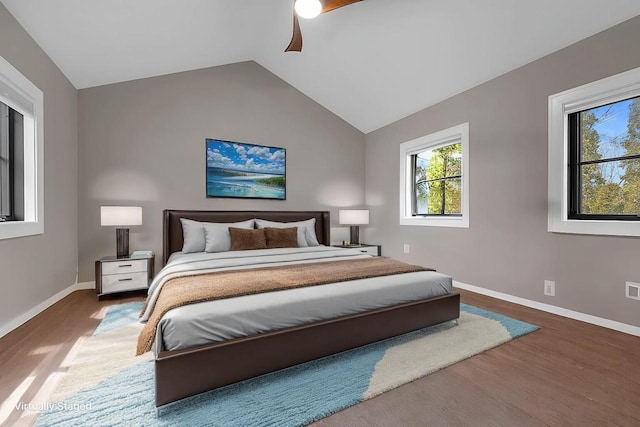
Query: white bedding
point(220, 320)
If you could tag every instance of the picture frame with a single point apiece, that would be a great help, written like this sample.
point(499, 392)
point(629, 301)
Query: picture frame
point(244, 170)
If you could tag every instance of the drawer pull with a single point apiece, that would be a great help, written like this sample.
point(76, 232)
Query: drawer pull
point(125, 265)
point(125, 280)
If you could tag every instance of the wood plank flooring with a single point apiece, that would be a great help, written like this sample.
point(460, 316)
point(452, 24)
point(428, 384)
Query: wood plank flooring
point(568, 373)
point(33, 355)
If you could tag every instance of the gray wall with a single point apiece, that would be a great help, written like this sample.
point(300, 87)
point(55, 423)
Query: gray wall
point(37, 267)
point(142, 143)
point(507, 247)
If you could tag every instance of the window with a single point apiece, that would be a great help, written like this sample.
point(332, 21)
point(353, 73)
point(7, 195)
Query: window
point(6, 161)
point(21, 155)
point(604, 162)
point(434, 189)
point(594, 157)
point(437, 181)
point(11, 181)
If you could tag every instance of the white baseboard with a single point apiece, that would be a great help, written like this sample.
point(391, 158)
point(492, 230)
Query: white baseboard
point(23, 318)
point(85, 285)
point(576, 315)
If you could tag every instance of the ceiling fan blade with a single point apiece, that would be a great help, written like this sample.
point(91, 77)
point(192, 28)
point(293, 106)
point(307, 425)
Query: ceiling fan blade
point(296, 40)
point(330, 5)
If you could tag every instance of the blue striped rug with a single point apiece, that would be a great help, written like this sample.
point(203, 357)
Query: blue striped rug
point(107, 385)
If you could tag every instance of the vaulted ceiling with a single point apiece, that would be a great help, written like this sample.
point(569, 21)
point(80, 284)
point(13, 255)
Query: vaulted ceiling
point(370, 63)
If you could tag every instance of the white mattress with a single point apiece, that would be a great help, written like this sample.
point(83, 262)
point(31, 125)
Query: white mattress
point(225, 319)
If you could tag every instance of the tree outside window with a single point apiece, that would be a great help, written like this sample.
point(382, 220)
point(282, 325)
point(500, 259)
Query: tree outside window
point(605, 162)
point(438, 181)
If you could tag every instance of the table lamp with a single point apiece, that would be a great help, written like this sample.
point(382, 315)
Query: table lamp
point(120, 216)
point(354, 218)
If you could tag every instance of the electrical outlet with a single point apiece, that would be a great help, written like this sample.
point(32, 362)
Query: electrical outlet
point(550, 288)
point(633, 290)
point(406, 248)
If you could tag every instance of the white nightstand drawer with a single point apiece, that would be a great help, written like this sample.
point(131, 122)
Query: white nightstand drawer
point(128, 266)
point(124, 282)
point(371, 250)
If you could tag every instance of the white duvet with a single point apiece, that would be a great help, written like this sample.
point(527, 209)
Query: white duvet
point(225, 319)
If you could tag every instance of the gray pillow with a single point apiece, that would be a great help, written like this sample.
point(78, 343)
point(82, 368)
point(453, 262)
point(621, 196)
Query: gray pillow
point(217, 237)
point(306, 230)
point(193, 235)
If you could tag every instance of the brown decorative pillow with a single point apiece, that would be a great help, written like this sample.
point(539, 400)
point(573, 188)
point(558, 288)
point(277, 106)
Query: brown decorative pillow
point(281, 237)
point(243, 239)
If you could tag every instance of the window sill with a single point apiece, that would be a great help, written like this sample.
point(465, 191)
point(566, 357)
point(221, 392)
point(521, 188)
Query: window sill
point(605, 228)
point(14, 229)
point(457, 222)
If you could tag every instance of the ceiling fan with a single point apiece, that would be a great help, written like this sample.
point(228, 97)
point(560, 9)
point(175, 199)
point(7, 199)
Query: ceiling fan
point(309, 9)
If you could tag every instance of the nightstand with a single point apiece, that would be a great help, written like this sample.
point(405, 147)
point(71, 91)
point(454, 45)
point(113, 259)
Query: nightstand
point(375, 250)
point(123, 274)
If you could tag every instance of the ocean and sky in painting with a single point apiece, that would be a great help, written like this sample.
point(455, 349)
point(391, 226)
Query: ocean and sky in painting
point(236, 169)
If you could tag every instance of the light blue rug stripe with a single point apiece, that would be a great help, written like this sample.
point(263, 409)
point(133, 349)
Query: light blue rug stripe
point(301, 394)
point(118, 316)
point(516, 328)
point(292, 397)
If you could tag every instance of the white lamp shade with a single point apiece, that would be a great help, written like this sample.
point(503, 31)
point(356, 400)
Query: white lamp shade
point(354, 216)
point(120, 215)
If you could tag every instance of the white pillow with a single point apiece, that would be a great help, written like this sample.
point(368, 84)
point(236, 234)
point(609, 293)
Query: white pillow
point(193, 235)
point(217, 237)
point(306, 230)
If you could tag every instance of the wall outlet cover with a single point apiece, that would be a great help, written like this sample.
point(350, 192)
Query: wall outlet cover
point(633, 290)
point(550, 288)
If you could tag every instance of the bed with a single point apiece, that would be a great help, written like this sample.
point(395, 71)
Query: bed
point(284, 331)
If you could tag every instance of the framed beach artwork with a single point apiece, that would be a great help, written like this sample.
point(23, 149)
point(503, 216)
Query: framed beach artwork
point(247, 171)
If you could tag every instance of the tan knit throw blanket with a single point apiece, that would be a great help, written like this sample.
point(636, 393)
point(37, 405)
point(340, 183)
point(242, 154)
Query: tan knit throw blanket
point(180, 291)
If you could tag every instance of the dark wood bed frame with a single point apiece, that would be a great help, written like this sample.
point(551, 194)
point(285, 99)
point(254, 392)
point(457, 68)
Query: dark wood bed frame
point(184, 373)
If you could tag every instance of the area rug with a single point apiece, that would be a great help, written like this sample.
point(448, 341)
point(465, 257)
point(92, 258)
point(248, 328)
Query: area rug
point(107, 385)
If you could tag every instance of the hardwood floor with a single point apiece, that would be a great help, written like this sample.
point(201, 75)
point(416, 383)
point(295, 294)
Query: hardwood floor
point(33, 355)
point(568, 373)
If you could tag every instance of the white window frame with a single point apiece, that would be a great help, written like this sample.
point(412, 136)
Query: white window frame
point(439, 139)
point(611, 89)
point(23, 96)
